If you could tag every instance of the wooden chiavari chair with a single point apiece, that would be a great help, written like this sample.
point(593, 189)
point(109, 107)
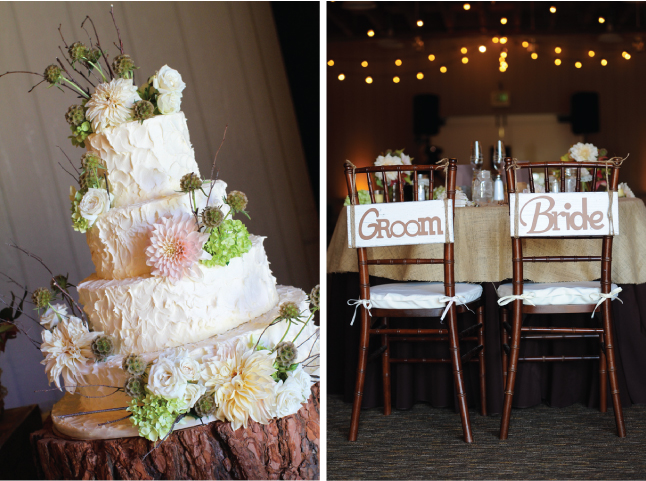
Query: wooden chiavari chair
point(415, 299)
point(560, 298)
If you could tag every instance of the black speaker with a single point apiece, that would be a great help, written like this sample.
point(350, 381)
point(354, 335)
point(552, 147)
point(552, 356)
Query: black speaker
point(426, 115)
point(584, 108)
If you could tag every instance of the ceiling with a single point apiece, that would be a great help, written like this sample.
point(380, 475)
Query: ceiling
point(396, 22)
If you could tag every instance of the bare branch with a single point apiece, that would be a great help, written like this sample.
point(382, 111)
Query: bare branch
point(69, 160)
point(120, 46)
point(116, 420)
point(91, 412)
point(31, 89)
point(98, 45)
point(87, 91)
point(61, 33)
point(68, 172)
point(74, 68)
point(214, 160)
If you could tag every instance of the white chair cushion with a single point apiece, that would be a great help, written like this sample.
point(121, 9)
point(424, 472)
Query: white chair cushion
point(420, 295)
point(557, 293)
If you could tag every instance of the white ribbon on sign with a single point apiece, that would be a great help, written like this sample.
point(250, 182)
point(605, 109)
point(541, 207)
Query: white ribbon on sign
point(601, 297)
point(503, 301)
point(450, 301)
point(366, 303)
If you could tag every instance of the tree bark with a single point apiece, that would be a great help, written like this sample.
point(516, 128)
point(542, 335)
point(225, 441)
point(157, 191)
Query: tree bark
point(286, 448)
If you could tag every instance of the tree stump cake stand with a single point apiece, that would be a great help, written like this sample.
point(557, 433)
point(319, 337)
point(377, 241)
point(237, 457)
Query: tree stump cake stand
point(286, 448)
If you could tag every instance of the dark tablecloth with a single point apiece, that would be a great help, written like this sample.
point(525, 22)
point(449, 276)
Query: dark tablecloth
point(557, 384)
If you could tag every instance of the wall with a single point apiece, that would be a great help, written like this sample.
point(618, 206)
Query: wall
point(229, 57)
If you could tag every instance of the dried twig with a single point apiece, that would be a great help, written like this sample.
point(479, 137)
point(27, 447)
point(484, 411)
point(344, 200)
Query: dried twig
point(91, 412)
point(120, 46)
point(30, 90)
point(115, 420)
point(208, 199)
point(177, 419)
point(61, 34)
point(69, 160)
point(68, 172)
point(272, 323)
point(74, 68)
point(86, 92)
point(98, 45)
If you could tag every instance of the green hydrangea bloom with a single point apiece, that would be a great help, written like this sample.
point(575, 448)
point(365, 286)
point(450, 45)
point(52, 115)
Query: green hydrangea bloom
point(80, 133)
point(229, 240)
point(155, 415)
point(79, 223)
point(364, 197)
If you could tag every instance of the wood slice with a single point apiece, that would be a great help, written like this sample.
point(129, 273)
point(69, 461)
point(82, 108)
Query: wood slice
point(286, 448)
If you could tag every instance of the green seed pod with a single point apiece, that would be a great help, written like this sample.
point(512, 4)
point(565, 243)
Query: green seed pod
point(314, 297)
point(285, 354)
point(212, 216)
point(134, 365)
point(190, 182)
point(205, 405)
point(42, 297)
point(123, 66)
point(93, 55)
point(289, 310)
point(91, 161)
point(135, 387)
point(75, 115)
point(143, 110)
point(62, 282)
point(77, 52)
point(102, 347)
point(53, 74)
point(86, 180)
point(237, 200)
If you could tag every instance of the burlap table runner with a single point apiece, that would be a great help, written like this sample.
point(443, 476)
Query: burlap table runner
point(483, 251)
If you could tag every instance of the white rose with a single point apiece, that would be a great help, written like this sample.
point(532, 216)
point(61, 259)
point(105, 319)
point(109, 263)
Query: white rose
point(53, 316)
point(405, 159)
point(192, 394)
point(289, 397)
point(389, 160)
point(94, 203)
point(303, 379)
point(166, 379)
point(168, 80)
point(169, 103)
point(190, 368)
point(584, 152)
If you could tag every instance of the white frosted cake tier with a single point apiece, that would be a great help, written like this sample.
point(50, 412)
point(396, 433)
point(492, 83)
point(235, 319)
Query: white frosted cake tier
point(145, 160)
point(110, 373)
point(119, 238)
point(150, 313)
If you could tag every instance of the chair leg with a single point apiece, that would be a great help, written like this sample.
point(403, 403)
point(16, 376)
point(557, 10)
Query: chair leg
point(482, 365)
point(458, 375)
point(612, 369)
point(603, 377)
point(505, 342)
point(361, 375)
point(385, 370)
point(517, 317)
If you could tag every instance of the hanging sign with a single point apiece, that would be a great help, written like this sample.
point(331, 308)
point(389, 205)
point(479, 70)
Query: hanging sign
point(564, 214)
point(400, 223)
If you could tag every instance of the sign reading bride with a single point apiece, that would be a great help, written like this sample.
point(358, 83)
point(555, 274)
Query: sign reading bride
point(400, 223)
point(564, 214)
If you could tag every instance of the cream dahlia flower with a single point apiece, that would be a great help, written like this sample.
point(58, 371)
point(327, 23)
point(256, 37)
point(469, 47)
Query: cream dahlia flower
point(67, 349)
point(176, 247)
point(241, 379)
point(111, 104)
point(584, 152)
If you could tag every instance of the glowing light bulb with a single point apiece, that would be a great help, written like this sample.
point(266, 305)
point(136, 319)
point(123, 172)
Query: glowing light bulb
point(466, 6)
point(627, 56)
point(504, 64)
point(371, 33)
point(341, 77)
point(525, 44)
point(482, 48)
point(558, 50)
point(364, 63)
point(534, 56)
point(552, 9)
point(398, 62)
point(602, 20)
point(396, 80)
point(503, 40)
point(503, 20)
point(578, 64)
point(495, 40)
point(368, 80)
point(503, 54)
point(330, 63)
point(420, 75)
point(557, 61)
point(591, 53)
point(463, 50)
point(604, 62)
point(502, 69)
point(420, 23)
point(443, 69)
point(465, 60)
point(431, 57)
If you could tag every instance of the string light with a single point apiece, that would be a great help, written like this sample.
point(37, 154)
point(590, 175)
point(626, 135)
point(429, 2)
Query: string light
point(420, 23)
point(495, 40)
point(503, 40)
point(463, 50)
point(420, 75)
point(578, 64)
point(465, 60)
point(604, 62)
point(501, 59)
point(525, 44)
point(557, 61)
point(368, 80)
point(602, 20)
point(371, 33)
point(503, 20)
point(502, 68)
point(364, 63)
point(534, 55)
point(398, 62)
point(627, 56)
point(443, 69)
point(482, 48)
point(396, 80)
point(591, 53)
point(558, 50)
point(341, 77)
point(552, 9)
point(466, 6)
point(431, 57)
point(504, 64)
point(503, 54)
point(330, 62)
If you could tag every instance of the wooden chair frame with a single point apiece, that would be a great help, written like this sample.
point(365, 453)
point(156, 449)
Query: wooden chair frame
point(388, 334)
point(515, 331)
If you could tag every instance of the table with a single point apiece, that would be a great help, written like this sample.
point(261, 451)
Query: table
point(483, 255)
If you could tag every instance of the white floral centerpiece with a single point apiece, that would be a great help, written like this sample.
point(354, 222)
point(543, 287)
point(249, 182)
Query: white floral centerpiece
point(392, 158)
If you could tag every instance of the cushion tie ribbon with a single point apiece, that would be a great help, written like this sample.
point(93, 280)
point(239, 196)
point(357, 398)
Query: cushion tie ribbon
point(451, 300)
point(601, 297)
point(503, 301)
point(366, 303)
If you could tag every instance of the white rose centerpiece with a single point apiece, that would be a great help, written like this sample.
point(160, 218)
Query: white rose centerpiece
point(168, 82)
point(393, 158)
